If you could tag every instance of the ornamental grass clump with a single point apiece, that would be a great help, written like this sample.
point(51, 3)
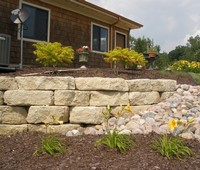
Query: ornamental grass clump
point(53, 54)
point(173, 146)
point(114, 139)
point(51, 144)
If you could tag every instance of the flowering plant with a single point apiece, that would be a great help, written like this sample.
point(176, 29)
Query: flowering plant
point(83, 50)
point(178, 126)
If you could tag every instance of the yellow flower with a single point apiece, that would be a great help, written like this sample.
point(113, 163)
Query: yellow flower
point(108, 107)
point(190, 121)
point(128, 108)
point(172, 124)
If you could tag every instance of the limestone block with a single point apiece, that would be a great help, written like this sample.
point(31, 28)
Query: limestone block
point(108, 98)
point(165, 96)
point(72, 98)
point(134, 110)
point(8, 83)
point(86, 115)
point(144, 98)
point(62, 129)
point(45, 83)
point(43, 114)
point(12, 129)
point(163, 85)
point(99, 83)
point(28, 98)
point(1, 97)
point(12, 115)
point(139, 85)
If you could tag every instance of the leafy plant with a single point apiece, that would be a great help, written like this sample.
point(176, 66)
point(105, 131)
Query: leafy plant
point(50, 145)
point(53, 54)
point(125, 57)
point(171, 147)
point(116, 140)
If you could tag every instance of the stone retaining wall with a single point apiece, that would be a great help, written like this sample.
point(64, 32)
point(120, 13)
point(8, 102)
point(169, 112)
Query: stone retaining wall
point(26, 103)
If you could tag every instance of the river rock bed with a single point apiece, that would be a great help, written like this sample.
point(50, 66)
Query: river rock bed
point(183, 105)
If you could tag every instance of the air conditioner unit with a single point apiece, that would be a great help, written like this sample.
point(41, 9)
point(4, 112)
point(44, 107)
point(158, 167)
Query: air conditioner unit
point(5, 41)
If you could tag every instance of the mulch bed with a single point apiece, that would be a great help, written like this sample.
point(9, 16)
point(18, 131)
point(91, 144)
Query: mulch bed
point(99, 72)
point(16, 153)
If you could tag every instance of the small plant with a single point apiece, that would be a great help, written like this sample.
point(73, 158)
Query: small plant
point(171, 147)
point(114, 139)
point(50, 145)
point(83, 50)
point(53, 54)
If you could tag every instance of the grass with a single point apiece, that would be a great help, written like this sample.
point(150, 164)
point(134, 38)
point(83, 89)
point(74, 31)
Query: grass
point(196, 77)
point(50, 145)
point(171, 147)
point(116, 140)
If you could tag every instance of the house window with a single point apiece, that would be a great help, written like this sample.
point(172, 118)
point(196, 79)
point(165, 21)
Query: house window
point(99, 38)
point(36, 27)
point(120, 40)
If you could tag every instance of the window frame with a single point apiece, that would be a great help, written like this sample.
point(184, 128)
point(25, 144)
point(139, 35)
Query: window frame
point(48, 25)
point(101, 26)
point(118, 32)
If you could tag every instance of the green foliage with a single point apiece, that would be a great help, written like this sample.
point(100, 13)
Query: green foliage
point(162, 61)
point(171, 147)
point(53, 54)
point(116, 140)
point(125, 56)
point(50, 145)
point(184, 65)
point(196, 77)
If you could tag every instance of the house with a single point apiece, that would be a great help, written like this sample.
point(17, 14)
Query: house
point(71, 22)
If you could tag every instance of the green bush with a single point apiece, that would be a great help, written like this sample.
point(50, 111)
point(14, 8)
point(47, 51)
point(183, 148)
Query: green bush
point(125, 57)
point(171, 147)
point(53, 54)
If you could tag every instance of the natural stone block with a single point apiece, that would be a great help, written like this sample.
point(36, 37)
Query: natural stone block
point(99, 83)
point(144, 98)
point(12, 115)
point(12, 129)
point(163, 85)
point(62, 129)
point(45, 83)
point(165, 96)
point(139, 85)
point(43, 114)
point(86, 115)
point(8, 83)
point(108, 98)
point(1, 97)
point(28, 98)
point(72, 98)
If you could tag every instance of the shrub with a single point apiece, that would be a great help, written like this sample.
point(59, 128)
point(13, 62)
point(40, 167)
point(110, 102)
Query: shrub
point(125, 56)
point(171, 147)
point(53, 54)
point(184, 65)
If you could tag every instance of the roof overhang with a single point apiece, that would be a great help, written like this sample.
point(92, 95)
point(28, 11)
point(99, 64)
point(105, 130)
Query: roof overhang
point(93, 11)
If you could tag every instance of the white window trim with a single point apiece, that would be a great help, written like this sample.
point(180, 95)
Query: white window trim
point(48, 29)
point(99, 52)
point(122, 34)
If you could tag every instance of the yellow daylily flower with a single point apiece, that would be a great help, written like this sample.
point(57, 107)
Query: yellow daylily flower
point(172, 124)
point(128, 108)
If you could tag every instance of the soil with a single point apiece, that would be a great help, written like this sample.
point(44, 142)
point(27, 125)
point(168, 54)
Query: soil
point(16, 153)
point(183, 78)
